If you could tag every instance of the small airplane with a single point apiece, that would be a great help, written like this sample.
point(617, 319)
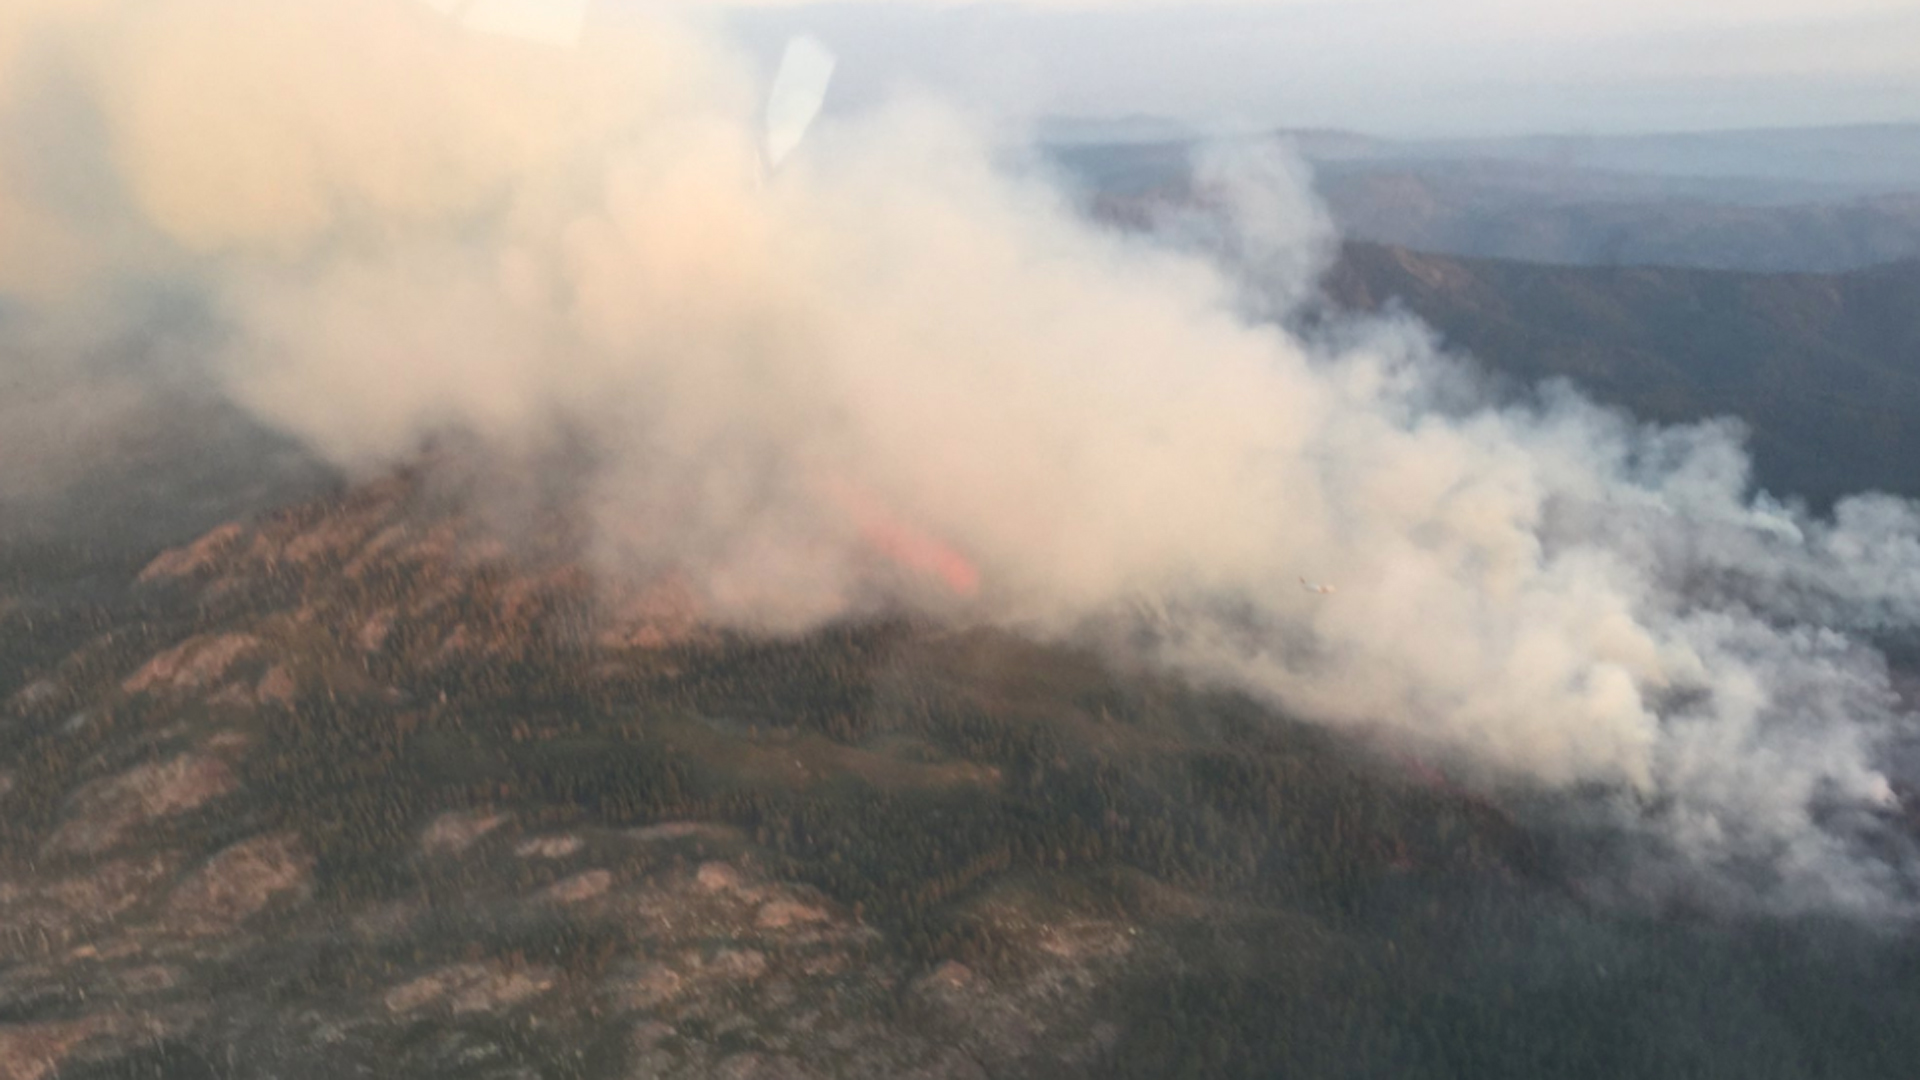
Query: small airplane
point(1318, 590)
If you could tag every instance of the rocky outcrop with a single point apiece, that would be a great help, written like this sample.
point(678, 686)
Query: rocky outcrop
point(196, 665)
point(106, 811)
point(238, 883)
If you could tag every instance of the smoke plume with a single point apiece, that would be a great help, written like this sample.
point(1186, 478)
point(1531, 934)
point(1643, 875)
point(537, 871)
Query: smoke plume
point(893, 375)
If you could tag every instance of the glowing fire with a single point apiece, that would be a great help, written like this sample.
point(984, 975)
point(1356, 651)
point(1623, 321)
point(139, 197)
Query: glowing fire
point(907, 545)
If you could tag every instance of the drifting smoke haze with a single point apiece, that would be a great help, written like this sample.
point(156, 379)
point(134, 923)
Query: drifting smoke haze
point(894, 376)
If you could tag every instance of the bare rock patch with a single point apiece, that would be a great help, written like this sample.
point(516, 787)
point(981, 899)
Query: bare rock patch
point(451, 834)
point(107, 810)
point(197, 664)
point(240, 882)
point(195, 557)
point(472, 988)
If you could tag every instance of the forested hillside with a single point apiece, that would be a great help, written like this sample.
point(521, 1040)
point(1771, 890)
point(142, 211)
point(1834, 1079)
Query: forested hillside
point(1825, 369)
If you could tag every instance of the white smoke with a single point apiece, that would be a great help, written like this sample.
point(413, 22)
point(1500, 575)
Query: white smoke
point(812, 394)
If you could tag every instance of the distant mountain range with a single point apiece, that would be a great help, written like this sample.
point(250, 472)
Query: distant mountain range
point(1787, 295)
point(1864, 158)
point(1498, 211)
point(1861, 159)
point(1804, 200)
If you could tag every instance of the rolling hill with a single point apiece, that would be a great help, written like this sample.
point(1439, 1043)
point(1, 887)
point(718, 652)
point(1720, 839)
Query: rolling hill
point(1825, 369)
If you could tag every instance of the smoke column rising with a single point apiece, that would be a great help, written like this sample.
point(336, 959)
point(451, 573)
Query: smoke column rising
point(404, 230)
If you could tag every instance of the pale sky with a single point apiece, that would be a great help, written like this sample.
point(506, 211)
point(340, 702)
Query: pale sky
point(1405, 67)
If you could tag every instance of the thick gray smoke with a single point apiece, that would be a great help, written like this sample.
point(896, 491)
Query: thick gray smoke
point(892, 374)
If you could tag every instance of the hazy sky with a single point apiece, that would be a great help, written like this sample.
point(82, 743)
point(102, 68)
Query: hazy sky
point(1388, 66)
